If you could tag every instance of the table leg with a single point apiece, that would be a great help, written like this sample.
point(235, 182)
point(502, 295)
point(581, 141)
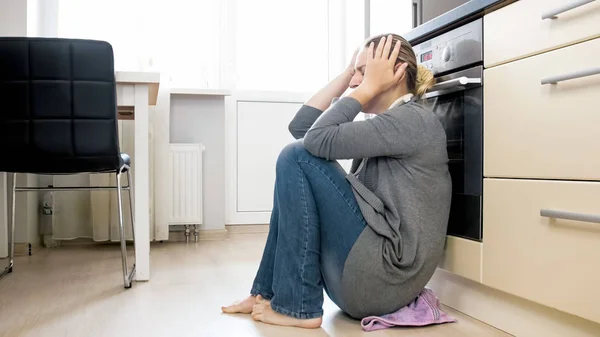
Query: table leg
point(141, 184)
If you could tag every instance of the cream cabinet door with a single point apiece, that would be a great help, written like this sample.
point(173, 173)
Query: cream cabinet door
point(518, 30)
point(548, 260)
point(462, 257)
point(547, 131)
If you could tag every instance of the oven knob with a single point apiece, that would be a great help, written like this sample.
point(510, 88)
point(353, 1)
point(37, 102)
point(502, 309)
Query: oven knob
point(446, 54)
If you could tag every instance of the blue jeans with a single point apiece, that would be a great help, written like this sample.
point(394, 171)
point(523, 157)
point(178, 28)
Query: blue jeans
point(314, 224)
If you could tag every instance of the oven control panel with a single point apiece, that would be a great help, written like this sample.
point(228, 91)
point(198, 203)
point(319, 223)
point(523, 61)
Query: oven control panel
point(457, 48)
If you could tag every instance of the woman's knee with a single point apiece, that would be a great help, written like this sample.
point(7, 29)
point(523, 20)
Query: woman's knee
point(292, 152)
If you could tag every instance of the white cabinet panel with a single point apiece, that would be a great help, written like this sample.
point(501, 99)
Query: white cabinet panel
point(262, 131)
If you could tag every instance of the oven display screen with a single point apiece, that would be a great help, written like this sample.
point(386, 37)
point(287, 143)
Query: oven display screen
point(427, 56)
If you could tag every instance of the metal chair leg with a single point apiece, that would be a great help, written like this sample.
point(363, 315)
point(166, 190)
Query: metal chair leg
point(127, 277)
point(11, 235)
point(131, 213)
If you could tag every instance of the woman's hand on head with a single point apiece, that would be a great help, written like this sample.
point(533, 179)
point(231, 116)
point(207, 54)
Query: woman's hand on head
point(350, 68)
point(381, 72)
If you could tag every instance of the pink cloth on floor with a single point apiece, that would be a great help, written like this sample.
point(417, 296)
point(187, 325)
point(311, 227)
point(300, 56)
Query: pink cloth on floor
point(424, 310)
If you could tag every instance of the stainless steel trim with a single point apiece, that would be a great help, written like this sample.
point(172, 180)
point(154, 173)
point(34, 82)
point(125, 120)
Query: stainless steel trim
point(552, 14)
point(458, 81)
point(455, 82)
point(571, 76)
point(550, 213)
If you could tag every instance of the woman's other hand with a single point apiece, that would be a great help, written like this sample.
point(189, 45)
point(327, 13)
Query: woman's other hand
point(351, 67)
point(381, 72)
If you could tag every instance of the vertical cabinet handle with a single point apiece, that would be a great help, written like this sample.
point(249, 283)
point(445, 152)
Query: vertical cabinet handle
point(552, 14)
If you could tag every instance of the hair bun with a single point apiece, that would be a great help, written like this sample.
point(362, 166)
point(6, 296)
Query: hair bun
point(424, 80)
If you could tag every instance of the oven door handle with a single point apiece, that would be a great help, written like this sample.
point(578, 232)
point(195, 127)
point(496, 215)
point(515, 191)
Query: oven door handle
point(453, 85)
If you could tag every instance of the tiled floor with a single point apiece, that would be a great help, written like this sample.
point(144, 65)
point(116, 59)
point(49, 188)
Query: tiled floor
point(77, 291)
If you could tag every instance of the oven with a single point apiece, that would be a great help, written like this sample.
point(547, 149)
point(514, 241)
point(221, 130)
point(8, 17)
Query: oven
point(456, 60)
point(425, 10)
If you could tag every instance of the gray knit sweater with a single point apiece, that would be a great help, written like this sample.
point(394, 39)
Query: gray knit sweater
point(401, 181)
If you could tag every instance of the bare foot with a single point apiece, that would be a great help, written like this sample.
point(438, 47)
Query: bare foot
point(263, 312)
point(241, 307)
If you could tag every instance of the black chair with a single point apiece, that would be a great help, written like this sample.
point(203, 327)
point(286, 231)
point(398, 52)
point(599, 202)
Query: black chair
point(58, 115)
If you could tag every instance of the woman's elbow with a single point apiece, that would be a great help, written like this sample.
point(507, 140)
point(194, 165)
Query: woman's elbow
point(296, 131)
point(312, 144)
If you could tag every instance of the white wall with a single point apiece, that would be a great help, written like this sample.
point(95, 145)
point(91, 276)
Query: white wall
point(391, 16)
point(13, 18)
point(200, 119)
point(27, 214)
point(42, 17)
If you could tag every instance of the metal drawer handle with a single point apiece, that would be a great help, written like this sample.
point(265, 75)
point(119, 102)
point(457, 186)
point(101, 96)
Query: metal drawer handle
point(549, 213)
point(571, 76)
point(552, 14)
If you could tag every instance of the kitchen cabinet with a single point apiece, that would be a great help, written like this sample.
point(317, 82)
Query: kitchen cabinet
point(463, 257)
point(547, 131)
point(519, 29)
point(541, 194)
point(547, 260)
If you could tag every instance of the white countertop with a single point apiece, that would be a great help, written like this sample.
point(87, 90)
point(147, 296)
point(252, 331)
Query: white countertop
point(137, 77)
point(202, 92)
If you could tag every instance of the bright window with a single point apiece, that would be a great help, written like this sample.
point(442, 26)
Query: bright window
point(281, 45)
point(179, 38)
point(257, 45)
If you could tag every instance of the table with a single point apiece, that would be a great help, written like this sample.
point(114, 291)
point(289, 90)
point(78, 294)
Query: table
point(136, 91)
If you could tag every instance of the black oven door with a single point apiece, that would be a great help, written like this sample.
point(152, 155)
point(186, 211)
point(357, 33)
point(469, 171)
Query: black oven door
point(457, 100)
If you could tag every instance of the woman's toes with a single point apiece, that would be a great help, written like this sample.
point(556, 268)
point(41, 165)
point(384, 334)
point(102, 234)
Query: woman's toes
point(243, 307)
point(258, 309)
point(257, 317)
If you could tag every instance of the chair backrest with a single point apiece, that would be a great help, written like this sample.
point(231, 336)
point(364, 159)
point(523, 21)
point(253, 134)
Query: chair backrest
point(58, 110)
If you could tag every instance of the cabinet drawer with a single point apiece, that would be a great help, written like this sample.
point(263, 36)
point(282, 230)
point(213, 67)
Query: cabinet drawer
point(544, 131)
point(518, 29)
point(552, 261)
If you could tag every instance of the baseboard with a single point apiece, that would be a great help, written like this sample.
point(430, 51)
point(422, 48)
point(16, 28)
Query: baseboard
point(26, 249)
point(203, 235)
point(514, 315)
point(247, 229)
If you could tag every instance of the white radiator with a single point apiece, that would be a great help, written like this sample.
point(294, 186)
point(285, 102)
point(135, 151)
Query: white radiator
point(186, 184)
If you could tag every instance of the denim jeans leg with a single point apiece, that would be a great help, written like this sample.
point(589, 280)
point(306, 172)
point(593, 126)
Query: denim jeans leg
point(297, 284)
point(263, 282)
point(312, 200)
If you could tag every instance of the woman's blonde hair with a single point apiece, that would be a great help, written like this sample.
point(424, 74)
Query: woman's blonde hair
point(418, 78)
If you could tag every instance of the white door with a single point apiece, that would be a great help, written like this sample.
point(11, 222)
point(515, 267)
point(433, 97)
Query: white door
point(256, 131)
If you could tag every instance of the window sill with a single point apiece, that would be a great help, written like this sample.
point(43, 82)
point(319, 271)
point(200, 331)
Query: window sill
point(200, 92)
